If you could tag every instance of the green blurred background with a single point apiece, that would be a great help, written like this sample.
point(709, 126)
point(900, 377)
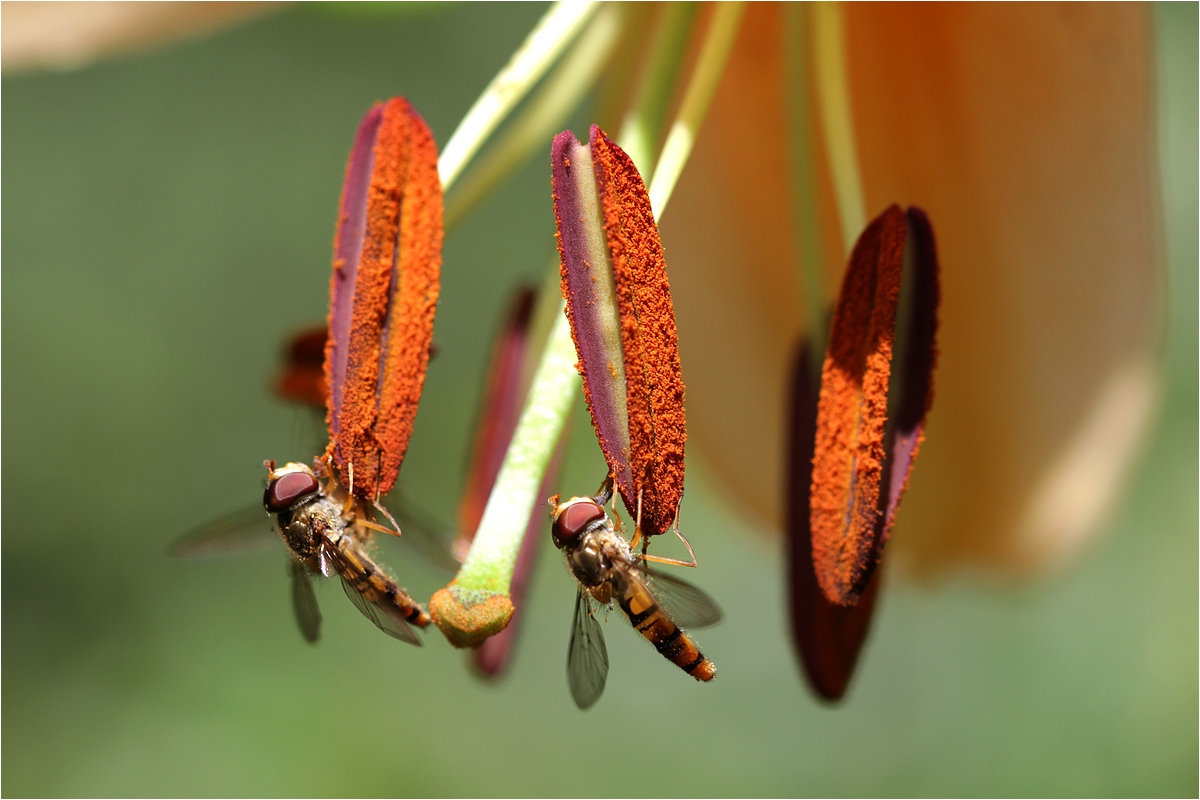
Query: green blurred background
point(167, 219)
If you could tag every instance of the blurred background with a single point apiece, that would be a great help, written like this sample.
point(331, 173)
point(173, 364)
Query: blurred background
point(167, 221)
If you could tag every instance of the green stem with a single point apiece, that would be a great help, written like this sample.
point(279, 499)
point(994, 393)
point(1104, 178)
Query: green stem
point(718, 41)
point(805, 209)
point(545, 115)
point(476, 604)
point(837, 118)
point(644, 121)
point(528, 64)
point(489, 565)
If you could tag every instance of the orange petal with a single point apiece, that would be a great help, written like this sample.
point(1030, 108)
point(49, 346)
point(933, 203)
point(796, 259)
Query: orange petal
point(302, 379)
point(1025, 131)
point(69, 35)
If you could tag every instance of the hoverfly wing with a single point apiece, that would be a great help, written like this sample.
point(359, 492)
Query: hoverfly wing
point(688, 605)
point(304, 603)
point(428, 536)
point(587, 657)
point(388, 619)
point(244, 531)
point(384, 619)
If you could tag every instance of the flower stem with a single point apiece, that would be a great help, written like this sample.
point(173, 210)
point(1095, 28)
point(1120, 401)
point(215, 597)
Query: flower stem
point(528, 64)
point(805, 211)
point(476, 604)
point(564, 89)
point(837, 117)
point(644, 120)
point(718, 41)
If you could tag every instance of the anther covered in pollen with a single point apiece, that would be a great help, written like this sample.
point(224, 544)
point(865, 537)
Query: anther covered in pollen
point(861, 463)
point(383, 295)
point(854, 447)
point(614, 279)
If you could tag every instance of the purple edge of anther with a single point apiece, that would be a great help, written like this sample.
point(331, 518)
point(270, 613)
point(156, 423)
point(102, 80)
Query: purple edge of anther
point(352, 225)
point(916, 383)
point(612, 430)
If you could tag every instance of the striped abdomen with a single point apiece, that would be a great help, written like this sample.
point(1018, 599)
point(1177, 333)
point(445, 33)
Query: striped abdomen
point(365, 577)
point(651, 621)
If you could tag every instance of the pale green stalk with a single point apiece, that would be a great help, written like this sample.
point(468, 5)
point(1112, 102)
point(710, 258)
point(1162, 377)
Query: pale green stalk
point(805, 213)
point(489, 565)
point(553, 33)
point(718, 41)
point(644, 120)
point(544, 116)
point(466, 610)
point(837, 117)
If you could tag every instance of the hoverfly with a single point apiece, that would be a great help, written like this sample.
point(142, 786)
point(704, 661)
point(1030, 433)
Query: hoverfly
point(607, 571)
point(325, 532)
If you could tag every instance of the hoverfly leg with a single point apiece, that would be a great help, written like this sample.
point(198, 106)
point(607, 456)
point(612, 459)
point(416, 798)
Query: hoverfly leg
point(637, 531)
point(395, 527)
point(606, 490)
point(675, 561)
point(377, 527)
point(682, 538)
point(323, 563)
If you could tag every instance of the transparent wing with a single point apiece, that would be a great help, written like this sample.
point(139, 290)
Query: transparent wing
point(587, 657)
point(304, 602)
point(244, 531)
point(427, 535)
point(385, 619)
point(688, 605)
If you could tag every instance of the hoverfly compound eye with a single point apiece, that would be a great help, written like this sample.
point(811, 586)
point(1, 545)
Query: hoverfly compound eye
point(574, 519)
point(285, 488)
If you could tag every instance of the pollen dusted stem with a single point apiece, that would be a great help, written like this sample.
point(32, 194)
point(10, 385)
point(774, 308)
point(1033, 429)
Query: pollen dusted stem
point(476, 605)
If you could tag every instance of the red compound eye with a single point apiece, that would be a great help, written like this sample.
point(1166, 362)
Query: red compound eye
point(289, 487)
point(573, 520)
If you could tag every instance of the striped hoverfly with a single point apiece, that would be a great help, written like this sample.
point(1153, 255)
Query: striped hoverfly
point(326, 533)
point(606, 572)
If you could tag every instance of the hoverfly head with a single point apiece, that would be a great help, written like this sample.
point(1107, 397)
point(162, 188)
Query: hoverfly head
point(289, 485)
point(573, 518)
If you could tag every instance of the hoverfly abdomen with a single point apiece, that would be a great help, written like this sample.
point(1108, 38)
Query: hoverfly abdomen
point(369, 581)
point(651, 621)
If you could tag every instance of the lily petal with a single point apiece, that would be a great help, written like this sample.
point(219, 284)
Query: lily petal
point(1026, 132)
